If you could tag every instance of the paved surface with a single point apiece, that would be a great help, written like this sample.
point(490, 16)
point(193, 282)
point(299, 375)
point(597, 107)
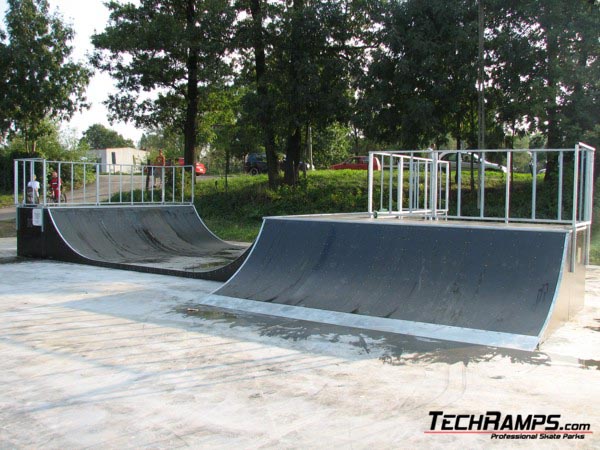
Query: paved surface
point(8, 213)
point(102, 358)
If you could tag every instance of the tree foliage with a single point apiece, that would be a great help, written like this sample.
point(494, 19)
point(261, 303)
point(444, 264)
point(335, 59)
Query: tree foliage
point(160, 53)
point(40, 80)
point(98, 136)
point(304, 56)
point(541, 64)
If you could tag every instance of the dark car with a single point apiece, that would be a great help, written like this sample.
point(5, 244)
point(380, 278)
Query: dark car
point(357, 163)
point(255, 163)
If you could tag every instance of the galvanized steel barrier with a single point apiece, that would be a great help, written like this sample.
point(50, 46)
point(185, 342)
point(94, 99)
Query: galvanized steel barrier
point(112, 183)
point(428, 183)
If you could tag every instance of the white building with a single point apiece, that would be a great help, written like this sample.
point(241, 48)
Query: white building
point(123, 159)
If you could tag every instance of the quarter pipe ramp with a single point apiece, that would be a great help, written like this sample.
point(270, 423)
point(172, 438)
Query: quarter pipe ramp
point(170, 240)
point(482, 285)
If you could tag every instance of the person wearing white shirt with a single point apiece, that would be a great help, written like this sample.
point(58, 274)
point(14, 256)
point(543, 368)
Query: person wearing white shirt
point(33, 190)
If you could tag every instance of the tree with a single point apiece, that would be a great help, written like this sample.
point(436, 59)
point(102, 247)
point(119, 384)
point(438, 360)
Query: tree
point(254, 36)
point(545, 61)
point(302, 55)
point(421, 83)
point(98, 136)
point(41, 82)
point(168, 48)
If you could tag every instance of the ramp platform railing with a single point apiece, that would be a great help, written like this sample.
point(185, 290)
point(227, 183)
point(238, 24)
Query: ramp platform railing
point(465, 185)
point(410, 186)
point(41, 182)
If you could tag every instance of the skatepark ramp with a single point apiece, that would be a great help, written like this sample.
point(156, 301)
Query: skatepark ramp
point(170, 240)
point(496, 285)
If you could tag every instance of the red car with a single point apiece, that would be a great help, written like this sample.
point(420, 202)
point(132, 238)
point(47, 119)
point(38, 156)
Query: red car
point(199, 167)
point(357, 163)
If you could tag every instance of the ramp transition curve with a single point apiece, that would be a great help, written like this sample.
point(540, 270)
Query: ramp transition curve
point(169, 240)
point(479, 285)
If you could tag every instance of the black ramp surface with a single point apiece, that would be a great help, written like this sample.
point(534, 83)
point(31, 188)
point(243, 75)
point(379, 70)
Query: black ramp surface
point(160, 239)
point(501, 280)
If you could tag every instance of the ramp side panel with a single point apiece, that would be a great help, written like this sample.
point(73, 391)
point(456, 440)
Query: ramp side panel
point(501, 280)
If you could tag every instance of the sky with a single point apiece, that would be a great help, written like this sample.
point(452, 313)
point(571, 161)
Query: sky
point(87, 17)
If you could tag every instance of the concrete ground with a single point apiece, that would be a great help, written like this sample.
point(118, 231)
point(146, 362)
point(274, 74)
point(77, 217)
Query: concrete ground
point(101, 358)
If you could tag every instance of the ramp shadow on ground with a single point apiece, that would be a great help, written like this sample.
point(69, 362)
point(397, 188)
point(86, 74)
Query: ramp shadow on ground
point(328, 340)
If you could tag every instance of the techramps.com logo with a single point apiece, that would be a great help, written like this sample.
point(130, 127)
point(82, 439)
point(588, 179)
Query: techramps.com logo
point(508, 426)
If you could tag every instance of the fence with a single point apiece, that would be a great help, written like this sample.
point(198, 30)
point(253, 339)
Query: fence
point(422, 182)
point(420, 172)
point(84, 183)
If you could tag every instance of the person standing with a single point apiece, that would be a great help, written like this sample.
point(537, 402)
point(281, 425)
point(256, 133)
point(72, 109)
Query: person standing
point(55, 184)
point(159, 171)
point(33, 191)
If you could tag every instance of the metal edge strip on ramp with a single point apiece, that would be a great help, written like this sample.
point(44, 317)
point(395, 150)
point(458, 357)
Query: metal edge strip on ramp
point(417, 329)
point(542, 334)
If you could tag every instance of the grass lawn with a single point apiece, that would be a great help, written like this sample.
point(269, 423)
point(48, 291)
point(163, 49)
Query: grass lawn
point(6, 200)
point(236, 212)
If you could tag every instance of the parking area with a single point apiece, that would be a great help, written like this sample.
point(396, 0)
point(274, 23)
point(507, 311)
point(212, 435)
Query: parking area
point(102, 358)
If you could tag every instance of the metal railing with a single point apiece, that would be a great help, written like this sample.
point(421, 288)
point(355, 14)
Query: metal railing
point(91, 183)
point(410, 186)
point(570, 188)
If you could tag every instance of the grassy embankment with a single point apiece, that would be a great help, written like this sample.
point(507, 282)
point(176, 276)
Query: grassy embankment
point(6, 200)
point(236, 213)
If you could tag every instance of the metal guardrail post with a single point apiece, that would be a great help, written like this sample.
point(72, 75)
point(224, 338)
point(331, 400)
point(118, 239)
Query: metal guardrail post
point(458, 183)
point(560, 184)
point(411, 184)
point(97, 184)
point(574, 210)
point(59, 182)
point(589, 200)
point(193, 183)
point(448, 175)
point(84, 181)
point(183, 184)
point(162, 184)
point(534, 186)
point(507, 191)
point(370, 186)
point(400, 191)
point(72, 180)
point(131, 185)
point(121, 183)
point(16, 181)
point(434, 183)
point(391, 185)
point(381, 182)
point(44, 181)
point(109, 185)
point(481, 185)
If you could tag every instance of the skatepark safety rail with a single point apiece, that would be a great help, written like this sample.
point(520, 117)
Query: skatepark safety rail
point(416, 180)
point(93, 183)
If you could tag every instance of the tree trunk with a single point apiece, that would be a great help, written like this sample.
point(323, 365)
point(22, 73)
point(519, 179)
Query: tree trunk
point(265, 114)
point(293, 156)
point(191, 113)
point(553, 130)
point(294, 129)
